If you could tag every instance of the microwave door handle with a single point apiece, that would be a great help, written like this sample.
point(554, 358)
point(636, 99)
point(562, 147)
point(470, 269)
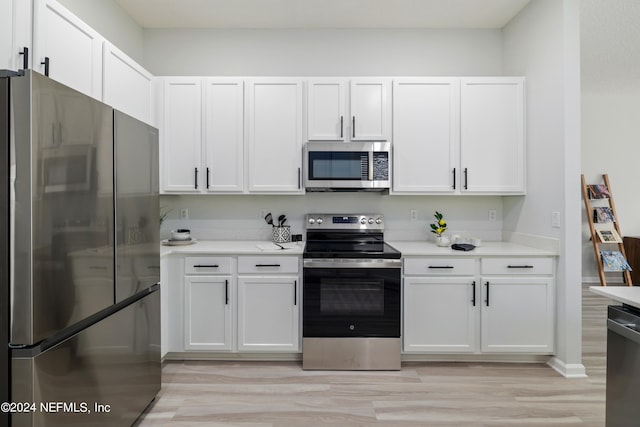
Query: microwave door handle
point(371, 165)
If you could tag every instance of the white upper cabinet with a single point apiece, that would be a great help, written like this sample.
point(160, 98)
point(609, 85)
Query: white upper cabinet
point(181, 135)
point(15, 34)
point(67, 48)
point(126, 86)
point(425, 135)
point(349, 110)
point(370, 109)
point(274, 114)
point(492, 135)
point(223, 135)
point(327, 110)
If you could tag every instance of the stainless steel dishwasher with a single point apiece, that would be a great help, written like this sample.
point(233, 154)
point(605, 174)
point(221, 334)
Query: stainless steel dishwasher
point(623, 366)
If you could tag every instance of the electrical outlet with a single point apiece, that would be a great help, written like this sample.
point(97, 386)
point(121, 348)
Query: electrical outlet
point(184, 213)
point(555, 219)
point(413, 214)
point(493, 215)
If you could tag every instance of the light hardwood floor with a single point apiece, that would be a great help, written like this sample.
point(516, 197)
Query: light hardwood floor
point(252, 394)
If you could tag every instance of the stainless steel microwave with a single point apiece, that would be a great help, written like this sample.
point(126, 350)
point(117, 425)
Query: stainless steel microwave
point(347, 166)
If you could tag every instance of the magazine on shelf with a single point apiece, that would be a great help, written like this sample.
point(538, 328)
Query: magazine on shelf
point(609, 236)
point(614, 261)
point(598, 191)
point(603, 214)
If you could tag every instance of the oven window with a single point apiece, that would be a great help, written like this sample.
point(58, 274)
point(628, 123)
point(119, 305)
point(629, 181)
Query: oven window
point(338, 165)
point(359, 297)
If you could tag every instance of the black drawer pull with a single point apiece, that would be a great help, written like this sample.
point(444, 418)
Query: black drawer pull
point(520, 266)
point(441, 266)
point(487, 300)
point(473, 286)
point(206, 266)
point(267, 265)
point(226, 292)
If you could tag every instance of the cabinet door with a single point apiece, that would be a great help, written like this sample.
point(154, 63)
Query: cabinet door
point(326, 115)
point(425, 135)
point(126, 85)
point(207, 312)
point(15, 33)
point(73, 48)
point(492, 141)
point(268, 314)
point(275, 136)
point(370, 109)
point(518, 314)
point(440, 314)
point(223, 135)
point(181, 135)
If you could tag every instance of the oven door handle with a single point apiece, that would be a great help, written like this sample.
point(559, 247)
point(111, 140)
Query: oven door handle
point(352, 263)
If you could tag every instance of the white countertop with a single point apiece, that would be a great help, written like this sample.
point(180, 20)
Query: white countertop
point(419, 248)
point(407, 248)
point(625, 294)
point(233, 247)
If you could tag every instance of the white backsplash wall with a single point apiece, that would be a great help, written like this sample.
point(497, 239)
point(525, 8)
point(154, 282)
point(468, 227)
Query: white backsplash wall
point(238, 217)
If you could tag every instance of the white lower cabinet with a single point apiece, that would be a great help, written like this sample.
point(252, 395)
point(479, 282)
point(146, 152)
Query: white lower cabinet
point(268, 314)
point(207, 307)
point(488, 305)
point(439, 315)
point(208, 303)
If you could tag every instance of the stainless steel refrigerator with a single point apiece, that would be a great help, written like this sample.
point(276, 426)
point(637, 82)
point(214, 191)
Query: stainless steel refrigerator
point(79, 258)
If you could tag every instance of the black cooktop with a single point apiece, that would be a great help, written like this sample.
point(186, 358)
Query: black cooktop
point(349, 248)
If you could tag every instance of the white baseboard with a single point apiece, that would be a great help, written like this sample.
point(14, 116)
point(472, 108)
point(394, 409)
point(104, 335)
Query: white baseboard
point(572, 370)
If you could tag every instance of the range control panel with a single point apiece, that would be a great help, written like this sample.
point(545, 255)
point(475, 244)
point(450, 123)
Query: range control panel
point(345, 221)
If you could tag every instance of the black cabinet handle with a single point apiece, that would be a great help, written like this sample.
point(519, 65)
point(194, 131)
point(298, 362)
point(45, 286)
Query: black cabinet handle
point(353, 127)
point(520, 266)
point(441, 266)
point(466, 186)
point(226, 292)
point(487, 300)
point(473, 290)
point(341, 126)
point(195, 178)
point(207, 178)
point(25, 58)
point(46, 66)
point(454, 178)
point(206, 266)
point(299, 178)
point(295, 292)
point(267, 265)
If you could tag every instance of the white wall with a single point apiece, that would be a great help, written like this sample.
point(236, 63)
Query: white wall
point(111, 21)
point(322, 52)
point(542, 42)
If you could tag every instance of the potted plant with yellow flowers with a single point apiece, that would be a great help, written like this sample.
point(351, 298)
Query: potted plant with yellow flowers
point(438, 228)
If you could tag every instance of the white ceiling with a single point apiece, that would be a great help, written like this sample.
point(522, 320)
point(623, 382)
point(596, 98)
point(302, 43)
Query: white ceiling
point(322, 13)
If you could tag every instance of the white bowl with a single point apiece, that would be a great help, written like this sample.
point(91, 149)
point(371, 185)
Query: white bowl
point(180, 234)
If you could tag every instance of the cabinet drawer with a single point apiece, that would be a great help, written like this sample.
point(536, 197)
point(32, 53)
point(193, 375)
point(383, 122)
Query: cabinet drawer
point(207, 265)
point(438, 266)
point(268, 264)
point(517, 266)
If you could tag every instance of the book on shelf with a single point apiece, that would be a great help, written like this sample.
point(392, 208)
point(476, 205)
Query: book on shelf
point(598, 191)
point(602, 214)
point(609, 236)
point(614, 261)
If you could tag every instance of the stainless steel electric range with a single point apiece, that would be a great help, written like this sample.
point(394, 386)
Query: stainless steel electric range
point(351, 294)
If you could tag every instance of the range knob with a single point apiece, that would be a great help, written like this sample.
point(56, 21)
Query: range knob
point(319, 221)
point(370, 221)
point(363, 220)
point(378, 221)
point(312, 221)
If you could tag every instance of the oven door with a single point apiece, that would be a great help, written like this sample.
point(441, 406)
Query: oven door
point(351, 298)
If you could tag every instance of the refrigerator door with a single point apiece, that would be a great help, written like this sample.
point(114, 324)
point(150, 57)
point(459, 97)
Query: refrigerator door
point(61, 211)
point(4, 247)
point(137, 206)
point(106, 375)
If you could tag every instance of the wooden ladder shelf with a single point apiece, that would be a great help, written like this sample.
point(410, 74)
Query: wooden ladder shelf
point(598, 243)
